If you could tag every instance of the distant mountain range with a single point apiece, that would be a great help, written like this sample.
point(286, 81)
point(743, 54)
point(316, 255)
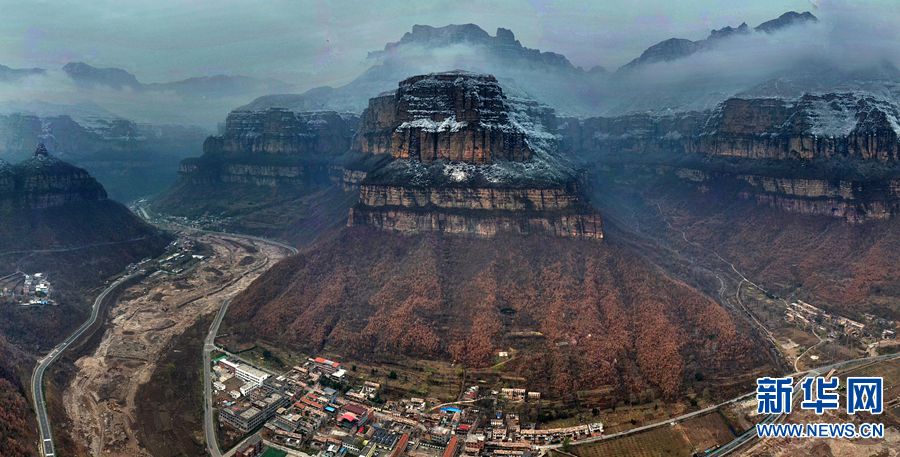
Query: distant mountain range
point(676, 48)
point(202, 86)
point(14, 74)
point(548, 77)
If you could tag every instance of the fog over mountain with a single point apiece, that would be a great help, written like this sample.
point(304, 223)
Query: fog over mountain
point(691, 69)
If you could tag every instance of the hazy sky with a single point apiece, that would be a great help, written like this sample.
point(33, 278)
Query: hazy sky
point(325, 42)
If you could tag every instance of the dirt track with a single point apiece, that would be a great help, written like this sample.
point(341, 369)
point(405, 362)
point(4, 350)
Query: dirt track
point(100, 401)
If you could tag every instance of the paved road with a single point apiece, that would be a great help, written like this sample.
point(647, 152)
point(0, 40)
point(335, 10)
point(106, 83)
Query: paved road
point(750, 435)
point(209, 424)
point(209, 345)
point(37, 378)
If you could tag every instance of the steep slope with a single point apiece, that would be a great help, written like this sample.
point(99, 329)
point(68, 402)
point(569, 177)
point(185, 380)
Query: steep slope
point(58, 220)
point(437, 264)
point(605, 318)
point(848, 269)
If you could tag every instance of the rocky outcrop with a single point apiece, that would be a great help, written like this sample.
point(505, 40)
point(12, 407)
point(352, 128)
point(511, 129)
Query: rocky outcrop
point(44, 182)
point(452, 116)
point(480, 224)
point(272, 148)
point(464, 160)
point(275, 131)
point(834, 154)
point(814, 127)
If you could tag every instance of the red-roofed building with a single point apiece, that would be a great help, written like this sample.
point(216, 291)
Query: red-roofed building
point(452, 446)
point(400, 449)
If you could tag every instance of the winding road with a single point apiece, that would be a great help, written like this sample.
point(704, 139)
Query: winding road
point(46, 444)
point(37, 378)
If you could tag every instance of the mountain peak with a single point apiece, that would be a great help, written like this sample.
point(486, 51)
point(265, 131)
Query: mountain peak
point(89, 75)
point(14, 74)
point(677, 48)
point(41, 151)
point(788, 19)
point(503, 45)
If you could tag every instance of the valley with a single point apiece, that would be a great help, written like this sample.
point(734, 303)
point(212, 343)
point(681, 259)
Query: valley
point(335, 231)
point(144, 319)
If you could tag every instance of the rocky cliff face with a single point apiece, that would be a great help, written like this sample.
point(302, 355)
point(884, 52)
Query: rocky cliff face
point(318, 135)
point(452, 116)
point(465, 160)
point(834, 154)
point(814, 127)
point(45, 182)
point(272, 148)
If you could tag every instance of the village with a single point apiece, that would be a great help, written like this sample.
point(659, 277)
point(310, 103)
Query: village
point(866, 334)
point(26, 289)
point(317, 409)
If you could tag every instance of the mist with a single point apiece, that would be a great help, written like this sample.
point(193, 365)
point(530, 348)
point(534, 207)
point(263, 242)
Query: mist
point(852, 45)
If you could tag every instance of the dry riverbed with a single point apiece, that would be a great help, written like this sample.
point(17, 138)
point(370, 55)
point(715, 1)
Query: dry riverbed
point(100, 400)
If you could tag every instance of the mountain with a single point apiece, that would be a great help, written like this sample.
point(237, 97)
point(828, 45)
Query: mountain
point(677, 48)
point(465, 158)
point(132, 160)
point(789, 19)
point(503, 46)
point(90, 76)
point(546, 76)
point(550, 78)
point(14, 74)
point(472, 236)
point(57, 219)
point(272, 172)
point(832, 154)
point(205, 86)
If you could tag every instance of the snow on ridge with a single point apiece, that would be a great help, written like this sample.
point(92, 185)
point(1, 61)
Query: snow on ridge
point(449, 124)
point(839, 114)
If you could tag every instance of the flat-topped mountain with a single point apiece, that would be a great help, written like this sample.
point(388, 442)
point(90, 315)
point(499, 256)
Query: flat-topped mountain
point(466, 159)
point(835, 154)
point(815, 126)
point(270, 172)
point(547, 76)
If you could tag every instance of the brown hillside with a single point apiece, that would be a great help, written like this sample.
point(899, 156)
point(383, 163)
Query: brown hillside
point(606, 317)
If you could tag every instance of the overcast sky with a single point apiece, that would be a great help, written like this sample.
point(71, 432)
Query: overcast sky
point(325, 42)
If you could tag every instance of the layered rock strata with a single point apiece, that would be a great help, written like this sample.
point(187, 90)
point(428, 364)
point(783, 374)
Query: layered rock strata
point(834, 154)
point(464, 159)
point(272, 148)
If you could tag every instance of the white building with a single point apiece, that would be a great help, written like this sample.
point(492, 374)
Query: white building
point(250, 374)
